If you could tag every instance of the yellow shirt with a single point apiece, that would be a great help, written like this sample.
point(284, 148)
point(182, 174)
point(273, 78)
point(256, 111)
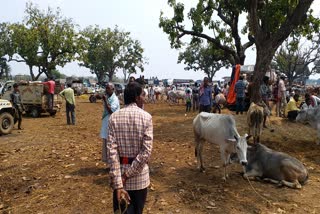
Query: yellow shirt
point(68, 94)
point(292, 105)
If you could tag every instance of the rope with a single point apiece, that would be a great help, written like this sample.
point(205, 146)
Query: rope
point(262, 197)
point(119, 205)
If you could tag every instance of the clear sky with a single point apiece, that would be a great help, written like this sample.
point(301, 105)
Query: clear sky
point(140, 17)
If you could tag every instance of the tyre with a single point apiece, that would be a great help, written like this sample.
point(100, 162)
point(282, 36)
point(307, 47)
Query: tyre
point(6, 123)
point(34, 112)
point(92, 99)
point(52, 113)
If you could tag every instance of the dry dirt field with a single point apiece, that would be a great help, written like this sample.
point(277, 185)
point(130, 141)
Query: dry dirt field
point(50, 167)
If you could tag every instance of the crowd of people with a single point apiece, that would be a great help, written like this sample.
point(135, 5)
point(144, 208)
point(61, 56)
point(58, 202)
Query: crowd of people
point(127, 133)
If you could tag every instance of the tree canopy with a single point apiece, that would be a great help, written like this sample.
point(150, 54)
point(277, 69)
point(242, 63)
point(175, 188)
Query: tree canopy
point(43, 40)
point(105, 51)
point(294, 57)
point(268, 24)
point(204, 58)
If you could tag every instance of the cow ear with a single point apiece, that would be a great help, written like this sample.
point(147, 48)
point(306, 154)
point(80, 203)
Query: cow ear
point(231, 140)
point(247, 136)
point(235, 137)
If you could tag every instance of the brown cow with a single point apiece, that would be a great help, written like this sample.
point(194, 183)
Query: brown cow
point(255, 121)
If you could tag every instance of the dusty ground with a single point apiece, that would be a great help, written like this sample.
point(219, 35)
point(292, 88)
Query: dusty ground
point(50, 167)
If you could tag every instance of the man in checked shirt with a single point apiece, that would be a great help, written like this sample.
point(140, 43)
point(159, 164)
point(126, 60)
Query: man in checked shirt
point(129, 147)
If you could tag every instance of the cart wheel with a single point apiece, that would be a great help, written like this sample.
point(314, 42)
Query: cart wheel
point(53, 112)
point(92, 99)
point(34, 112)
point(6, 123)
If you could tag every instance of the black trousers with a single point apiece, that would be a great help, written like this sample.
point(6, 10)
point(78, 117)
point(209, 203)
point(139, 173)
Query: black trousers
point(205, 108)
point(292, 115)
point(138, 199)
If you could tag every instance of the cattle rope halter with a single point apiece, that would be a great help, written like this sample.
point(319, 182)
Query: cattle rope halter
point(261, 196)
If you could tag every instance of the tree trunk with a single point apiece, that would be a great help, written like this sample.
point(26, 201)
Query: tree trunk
point(264, 57)
point(31, 72)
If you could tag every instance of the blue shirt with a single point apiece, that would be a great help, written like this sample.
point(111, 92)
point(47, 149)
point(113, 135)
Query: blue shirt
point(240, 87)
point(206, 97)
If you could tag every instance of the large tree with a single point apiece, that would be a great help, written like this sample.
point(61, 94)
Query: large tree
point(131, 58)
point(43, 40)
point(204, 58)
point(295, 56)
point(105, 51)
point(269, 23)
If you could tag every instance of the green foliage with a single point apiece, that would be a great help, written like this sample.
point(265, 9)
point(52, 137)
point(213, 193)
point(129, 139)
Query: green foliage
point(294, 57)
point(57, 75)
point(5, 43)
point(203, 58)
point(104, 51)
point(43, 40)
point(218, 17)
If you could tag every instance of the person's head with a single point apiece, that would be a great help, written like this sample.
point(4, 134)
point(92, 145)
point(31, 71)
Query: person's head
point(109, 88)
point(132, 79)
point(205, 81)
point(241, 77)
point(296, 97)
point(308, 101)
point(15, 86)
point(266, 79)
point(69, 84)
point(307, 96)
point(282, 77)
point(134, 94)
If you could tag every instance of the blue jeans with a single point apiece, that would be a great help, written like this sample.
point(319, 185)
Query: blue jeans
point(239, 105)
point(70, 110)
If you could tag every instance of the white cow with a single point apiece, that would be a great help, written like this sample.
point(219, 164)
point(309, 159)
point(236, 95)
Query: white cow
point(219, 129)
point(311, 116)
point(175, 96)
point(160, 91)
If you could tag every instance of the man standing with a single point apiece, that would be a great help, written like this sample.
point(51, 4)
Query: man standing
point(50, 94)
point(110, 105)
point(17, 103)
point(129, 147)
point(195, 97)
point(240, 88)
point(68, 94)
point(281, 105)
point(205, 98)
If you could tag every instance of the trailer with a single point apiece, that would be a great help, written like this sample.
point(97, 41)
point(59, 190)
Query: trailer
point(34, 97)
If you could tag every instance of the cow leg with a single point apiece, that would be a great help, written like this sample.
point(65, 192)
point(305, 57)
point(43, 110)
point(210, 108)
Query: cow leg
point(318, 130)
point(279, 183)
point(295, 185)
point(224, 158)
point(202, 169)
point(198, 153)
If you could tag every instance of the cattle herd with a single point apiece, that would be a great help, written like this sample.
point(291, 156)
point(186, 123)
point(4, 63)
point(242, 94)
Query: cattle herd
point(258, 161)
